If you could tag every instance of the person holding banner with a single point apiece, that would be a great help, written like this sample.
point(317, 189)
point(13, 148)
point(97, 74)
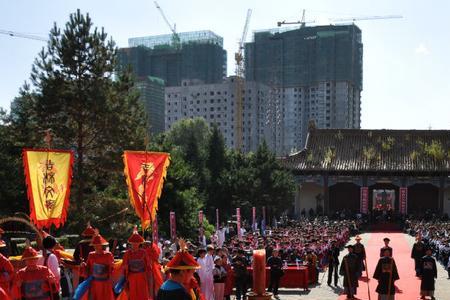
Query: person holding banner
point(386, 273)
point(99, 265)
point(350, 269)
point(136, 268)
point(360, 252)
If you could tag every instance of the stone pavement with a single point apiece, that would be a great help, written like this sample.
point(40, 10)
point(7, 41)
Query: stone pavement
point(325, 292)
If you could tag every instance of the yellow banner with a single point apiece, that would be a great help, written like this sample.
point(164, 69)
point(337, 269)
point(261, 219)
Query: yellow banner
point(48, 175)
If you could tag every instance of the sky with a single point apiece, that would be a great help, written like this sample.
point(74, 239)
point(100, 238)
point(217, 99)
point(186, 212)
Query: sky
point(406, 61)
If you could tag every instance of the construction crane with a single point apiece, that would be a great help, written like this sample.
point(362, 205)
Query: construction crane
point(340, 20)
point(176, 41)
point(239, 81)
point(23, 35)
point(303, 22)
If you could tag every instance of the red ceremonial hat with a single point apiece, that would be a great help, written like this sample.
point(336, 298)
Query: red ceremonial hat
point(183, 260)
point(135, 238)
point(98, 240)
point(30, 253)
point(89, 231)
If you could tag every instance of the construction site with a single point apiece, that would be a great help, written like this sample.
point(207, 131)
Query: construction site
point(300, 75)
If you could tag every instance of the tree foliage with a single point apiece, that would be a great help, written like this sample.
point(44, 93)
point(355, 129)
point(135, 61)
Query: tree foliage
point(94, 111)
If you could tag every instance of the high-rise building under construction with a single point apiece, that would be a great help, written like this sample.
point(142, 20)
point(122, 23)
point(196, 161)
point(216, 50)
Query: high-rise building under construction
point(200, 55)
point(315, 74)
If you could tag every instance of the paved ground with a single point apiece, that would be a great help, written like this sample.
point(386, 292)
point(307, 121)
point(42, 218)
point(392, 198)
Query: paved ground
point(324, 292)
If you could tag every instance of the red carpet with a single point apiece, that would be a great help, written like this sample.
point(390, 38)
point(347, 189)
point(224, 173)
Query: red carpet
point(408, 287)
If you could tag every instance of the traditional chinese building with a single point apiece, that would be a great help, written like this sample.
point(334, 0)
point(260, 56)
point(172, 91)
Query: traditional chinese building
point(403, 171)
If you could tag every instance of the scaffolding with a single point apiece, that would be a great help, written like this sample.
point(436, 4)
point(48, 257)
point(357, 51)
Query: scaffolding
point(303, 56)
point(201, 37)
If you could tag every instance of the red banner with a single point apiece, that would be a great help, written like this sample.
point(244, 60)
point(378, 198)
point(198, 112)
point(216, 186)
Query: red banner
point(155, 235)
point(173, 226)
point(403, 200)
point(145, 173)
point(217, 219)
point(48, 176)
point(364, 204)
point(254, 218)
point(201, 231)
point(238, 220)
point(200, 218)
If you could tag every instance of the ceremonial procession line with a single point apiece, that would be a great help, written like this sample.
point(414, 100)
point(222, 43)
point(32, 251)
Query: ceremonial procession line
point(407, 287)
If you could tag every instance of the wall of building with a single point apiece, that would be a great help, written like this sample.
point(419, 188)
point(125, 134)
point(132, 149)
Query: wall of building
point(204, 61)
point(306, 197)
point(317, 75)
point(151, 91)
point(216, 104)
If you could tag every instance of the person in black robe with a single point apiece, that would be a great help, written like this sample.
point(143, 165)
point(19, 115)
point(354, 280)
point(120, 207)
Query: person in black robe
point(418, 251)
point(386, 273)
point(386, 241)
point(333, 263)
point(350, 269)
point(360, 252)
point(428, 274)
point(276, 272)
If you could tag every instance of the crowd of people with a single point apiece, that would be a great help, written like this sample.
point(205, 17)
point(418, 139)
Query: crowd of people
point(435, 234)
point(223, 264)
point(215, 268)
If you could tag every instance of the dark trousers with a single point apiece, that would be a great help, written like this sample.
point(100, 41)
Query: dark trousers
point(332, 268)
point(417, 262)
point(274, 283)
point(241, 288)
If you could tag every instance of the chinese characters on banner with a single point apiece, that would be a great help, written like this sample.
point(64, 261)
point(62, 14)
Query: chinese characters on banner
point(364, 205)
point(48, 175)
point(238, 220)
point(173, 226)
point(145, 173)
point(403, 200)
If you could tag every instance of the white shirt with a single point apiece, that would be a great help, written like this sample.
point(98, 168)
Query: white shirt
point(52, 264)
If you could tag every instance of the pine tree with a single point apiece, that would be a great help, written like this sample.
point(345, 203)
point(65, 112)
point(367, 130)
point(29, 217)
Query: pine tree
point(89, 107)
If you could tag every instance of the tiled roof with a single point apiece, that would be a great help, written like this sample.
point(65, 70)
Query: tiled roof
point(350, 150)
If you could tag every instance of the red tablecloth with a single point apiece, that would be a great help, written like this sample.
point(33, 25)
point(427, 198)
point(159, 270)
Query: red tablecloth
point(293, 277)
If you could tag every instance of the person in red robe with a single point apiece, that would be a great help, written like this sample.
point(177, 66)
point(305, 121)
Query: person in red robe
point(137, 269)
point(230, 278)
point(34, 281)
point(6, 271)
point(99, 265)
point(156, 278)
point(4, 295)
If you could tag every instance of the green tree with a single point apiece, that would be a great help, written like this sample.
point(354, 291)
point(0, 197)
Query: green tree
point(90, 108)
point(216, 163)
point(78, 99)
